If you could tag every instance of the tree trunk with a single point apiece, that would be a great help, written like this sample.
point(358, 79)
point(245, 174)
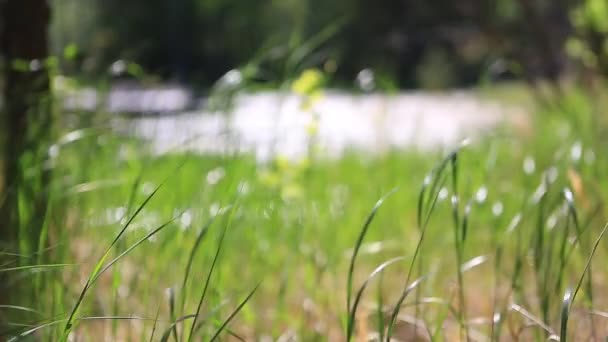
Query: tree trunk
point(25, 123)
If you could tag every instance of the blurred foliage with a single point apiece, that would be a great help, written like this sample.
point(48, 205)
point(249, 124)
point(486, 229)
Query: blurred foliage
point(589, 44)
point(431, 44)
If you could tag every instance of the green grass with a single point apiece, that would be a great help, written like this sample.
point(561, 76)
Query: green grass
point(188, 247)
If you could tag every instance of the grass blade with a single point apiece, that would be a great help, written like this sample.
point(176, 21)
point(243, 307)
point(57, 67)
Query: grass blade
point(35, 267)
point(195, 247)
point(473, 262)
point(171, 300)
point(20, 308)
point(155, 324)
point(587, 266)
point(411, 287)
point(208, 280)
point(115, 318)
point(567, 302)
point(128, 250)
point(234, 313)
point(210, 314)
point(572, 212)
point(537, 321)
point(167, 333)
point(100, 262)
point(353, 311)
point(380, 310)
point(436, 179)
point(351, 268)
point(35, 329)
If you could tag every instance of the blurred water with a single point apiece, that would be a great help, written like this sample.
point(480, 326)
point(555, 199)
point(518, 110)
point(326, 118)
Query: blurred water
point(271, 123)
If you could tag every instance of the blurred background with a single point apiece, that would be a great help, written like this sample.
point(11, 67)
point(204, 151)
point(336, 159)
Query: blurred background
point(408, 44)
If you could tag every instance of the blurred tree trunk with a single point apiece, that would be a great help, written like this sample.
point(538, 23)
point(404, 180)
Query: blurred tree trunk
point(25, 120)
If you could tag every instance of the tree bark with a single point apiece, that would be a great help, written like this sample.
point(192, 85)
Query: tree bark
point(25, 123)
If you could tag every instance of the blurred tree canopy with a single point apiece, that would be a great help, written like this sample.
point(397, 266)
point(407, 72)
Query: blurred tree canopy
point(416, 43)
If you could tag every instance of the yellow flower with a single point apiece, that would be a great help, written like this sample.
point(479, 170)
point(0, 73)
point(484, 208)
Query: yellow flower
point(283, 164)
point(292, 191)
point(269, 178)
point(309, 81)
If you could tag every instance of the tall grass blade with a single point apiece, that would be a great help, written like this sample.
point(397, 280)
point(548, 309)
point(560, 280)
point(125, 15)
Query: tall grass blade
point(351, 268)
point(397, 307)
point(572, 212)
point(199, 239)
point(533, 319)
point(128, 250)
point(120, 245)
point(35, 267)
point(169, 330)
point(540, 250)
point(155, 324)
point(210, 273)
point(235, 335)
point(449, 158)
point(171, 299)
point(100, 262)
point(473, 262)
point(587, 265)
point(460, 232)
point(563, 331)
point(353, 312)
point(208, 316)
point(90, 318)
point(20, 308)
point(114, 318)
point(34, 329)
point(436, 179)
point(234, 313)
point(381, 327)
point(496, 314)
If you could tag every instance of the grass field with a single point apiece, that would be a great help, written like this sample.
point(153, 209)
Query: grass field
point(489, 241)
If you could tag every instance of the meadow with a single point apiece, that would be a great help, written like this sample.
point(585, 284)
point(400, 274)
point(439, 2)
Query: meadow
point(499, 238)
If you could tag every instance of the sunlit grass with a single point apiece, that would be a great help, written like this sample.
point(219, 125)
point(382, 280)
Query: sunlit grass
point(482, 241)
